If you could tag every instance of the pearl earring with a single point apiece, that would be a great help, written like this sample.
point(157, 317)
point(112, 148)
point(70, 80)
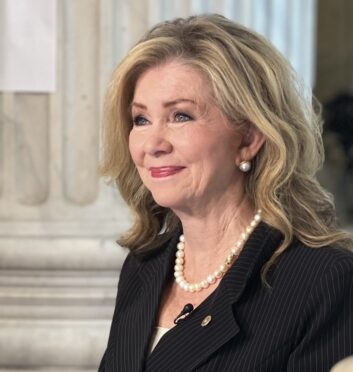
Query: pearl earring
point(245, 166)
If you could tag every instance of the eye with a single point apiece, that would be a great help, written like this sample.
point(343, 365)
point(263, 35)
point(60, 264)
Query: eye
point(139, 120)
point(180, 117)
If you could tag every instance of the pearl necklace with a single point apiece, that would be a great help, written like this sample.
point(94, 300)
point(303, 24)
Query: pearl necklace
point(212, 278)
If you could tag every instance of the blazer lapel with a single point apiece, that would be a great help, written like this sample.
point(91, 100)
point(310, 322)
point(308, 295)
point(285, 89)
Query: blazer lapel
point(137, 321)
point(204, 340)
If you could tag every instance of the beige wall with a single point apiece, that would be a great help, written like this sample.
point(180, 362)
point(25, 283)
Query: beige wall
point(334, 75)
point(334, 70)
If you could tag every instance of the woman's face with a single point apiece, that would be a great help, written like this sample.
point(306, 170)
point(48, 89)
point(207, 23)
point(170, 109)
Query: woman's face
point(184, 149)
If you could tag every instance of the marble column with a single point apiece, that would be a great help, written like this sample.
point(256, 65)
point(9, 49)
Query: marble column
point(58, 221)
point(59, 264)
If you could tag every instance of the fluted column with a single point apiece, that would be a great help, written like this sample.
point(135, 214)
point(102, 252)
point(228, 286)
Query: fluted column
point(58, 222)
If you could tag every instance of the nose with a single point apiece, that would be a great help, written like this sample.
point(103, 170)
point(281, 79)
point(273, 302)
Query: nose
point(157, 142)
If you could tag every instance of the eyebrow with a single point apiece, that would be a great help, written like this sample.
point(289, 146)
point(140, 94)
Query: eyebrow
point(165, 104)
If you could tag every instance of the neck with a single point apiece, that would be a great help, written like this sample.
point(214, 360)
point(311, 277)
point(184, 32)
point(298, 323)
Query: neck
point(212, 278)
point(210, 236)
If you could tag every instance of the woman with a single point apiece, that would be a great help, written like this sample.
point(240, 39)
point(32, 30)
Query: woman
point(215, 152)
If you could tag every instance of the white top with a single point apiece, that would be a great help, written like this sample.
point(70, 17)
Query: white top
point(344, 365)
point(158, 333)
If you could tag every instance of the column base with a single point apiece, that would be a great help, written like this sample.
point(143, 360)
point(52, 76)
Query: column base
point(56, 303)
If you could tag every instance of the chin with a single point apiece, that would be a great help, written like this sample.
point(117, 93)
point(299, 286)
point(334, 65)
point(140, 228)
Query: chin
point(167, 200)
point(166, 203)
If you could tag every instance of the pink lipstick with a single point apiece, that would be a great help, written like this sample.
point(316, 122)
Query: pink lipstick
point(160, 172)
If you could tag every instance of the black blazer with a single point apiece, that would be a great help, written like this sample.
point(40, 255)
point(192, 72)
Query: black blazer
point(304, 322)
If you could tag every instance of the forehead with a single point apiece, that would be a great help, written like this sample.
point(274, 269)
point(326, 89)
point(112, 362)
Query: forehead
point(172, 78)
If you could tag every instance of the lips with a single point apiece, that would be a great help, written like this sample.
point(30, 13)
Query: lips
point(160, 172)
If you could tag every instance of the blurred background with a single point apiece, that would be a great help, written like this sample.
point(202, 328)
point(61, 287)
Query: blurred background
point(59, 264)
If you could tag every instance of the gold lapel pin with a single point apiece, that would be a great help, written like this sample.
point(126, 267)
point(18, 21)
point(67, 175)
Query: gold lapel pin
point(206, 320)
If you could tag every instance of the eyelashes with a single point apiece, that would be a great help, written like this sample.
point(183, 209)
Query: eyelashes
point(181, 117)
point(139, 121)
point(177, 117)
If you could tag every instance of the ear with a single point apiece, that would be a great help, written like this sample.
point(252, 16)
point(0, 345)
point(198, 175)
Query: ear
point(252, 141)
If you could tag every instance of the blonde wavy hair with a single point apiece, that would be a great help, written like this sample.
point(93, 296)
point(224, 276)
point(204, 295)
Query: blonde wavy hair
point(252, 83)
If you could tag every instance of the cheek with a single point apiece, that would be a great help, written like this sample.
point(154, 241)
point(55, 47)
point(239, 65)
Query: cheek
point(134, 147)
point(136, 155)
point(220, 158)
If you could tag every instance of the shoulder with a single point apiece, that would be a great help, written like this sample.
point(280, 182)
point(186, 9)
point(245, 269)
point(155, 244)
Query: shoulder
point(324, 303)
point(305, 258)
point(129, 272)
point(158, 253)
point(305, 268)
